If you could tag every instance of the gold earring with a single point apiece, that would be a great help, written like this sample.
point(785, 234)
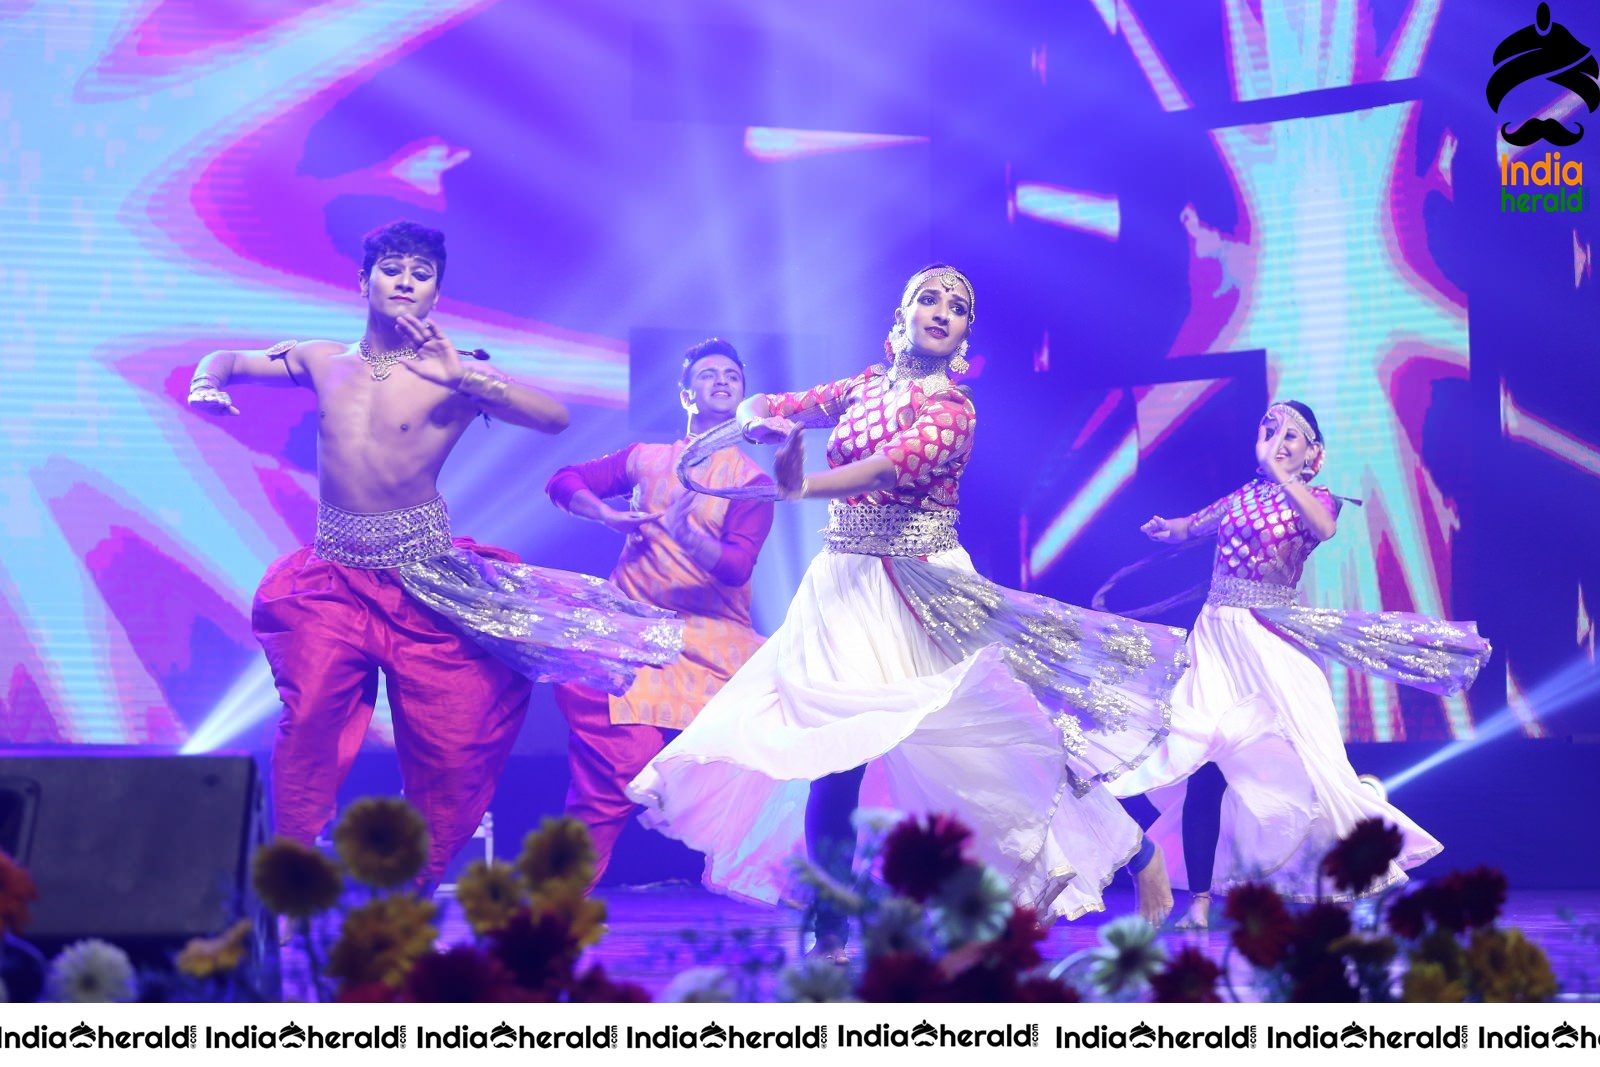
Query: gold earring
point(958, 362)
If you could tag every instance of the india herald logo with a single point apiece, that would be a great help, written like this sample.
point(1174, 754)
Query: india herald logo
point(1545, 50)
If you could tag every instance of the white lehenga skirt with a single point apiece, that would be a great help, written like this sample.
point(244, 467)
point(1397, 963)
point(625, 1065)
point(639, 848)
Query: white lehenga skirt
point(1263, 711)
point(851, 678)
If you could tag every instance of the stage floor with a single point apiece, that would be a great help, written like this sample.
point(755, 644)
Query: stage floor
point(660, 930)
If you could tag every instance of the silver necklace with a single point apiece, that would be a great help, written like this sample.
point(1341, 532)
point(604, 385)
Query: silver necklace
point(382, 363)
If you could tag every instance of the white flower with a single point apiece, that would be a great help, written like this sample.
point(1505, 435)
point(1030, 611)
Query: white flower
point(1127, 957)
point(898, 925)
point(814, 981)
point(90, 972)
point(875, 822)
point(699, 985)
point(806, 873)
point(973, 905)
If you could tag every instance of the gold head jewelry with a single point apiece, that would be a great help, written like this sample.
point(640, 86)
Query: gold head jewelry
point(1295, 419)
point(948, 278)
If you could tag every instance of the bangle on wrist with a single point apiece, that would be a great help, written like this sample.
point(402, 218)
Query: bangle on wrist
point(744, 430)
point(483, 387)
point(800, 491)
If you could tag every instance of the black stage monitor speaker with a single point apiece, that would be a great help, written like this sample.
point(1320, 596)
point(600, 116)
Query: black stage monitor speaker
point(145, 851)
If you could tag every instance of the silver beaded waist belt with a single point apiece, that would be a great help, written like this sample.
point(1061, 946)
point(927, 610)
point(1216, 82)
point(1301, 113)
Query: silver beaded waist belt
point(380, 539)
point(1229, 592)
point(889, 530)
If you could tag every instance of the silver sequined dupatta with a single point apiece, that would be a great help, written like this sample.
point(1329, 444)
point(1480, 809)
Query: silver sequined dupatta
point(730, 434)
point(1105, 681)
point(552, 625)
point(1416, 650)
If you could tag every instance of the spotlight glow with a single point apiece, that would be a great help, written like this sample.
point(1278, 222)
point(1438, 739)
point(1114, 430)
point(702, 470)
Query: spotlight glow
point(1574, 684)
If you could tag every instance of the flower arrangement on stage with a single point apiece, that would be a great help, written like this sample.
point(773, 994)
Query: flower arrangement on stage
point(87, 971)
point(935, 925)
point(1442, 942)
point(531, 919)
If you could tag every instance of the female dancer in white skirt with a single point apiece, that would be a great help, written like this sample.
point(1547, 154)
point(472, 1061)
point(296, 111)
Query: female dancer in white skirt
point(902, 679)
point(1255, 700)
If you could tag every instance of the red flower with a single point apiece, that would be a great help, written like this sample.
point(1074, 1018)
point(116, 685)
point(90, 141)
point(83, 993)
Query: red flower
point(16, 892)
point(1483, 894)
point(1262, 925)
point(1317, 927)
point(919, 856)
point(1317, 974)
point(594, 986)
point(463, 975)
point(1045, 991)
point(367, 993)
point(1446, 901)
point(901, 978)
point(539, 954)
point(1323, 981)
point(1017, 947)
point(1408, 916)
point(1364, 855)
point(1190, 978)
point(982, 984)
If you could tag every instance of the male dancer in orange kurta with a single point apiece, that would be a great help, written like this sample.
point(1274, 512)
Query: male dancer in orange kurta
point(685, 551)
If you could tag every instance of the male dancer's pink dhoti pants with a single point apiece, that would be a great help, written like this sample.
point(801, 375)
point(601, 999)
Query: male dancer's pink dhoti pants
point(603, 758)
point(327, 630)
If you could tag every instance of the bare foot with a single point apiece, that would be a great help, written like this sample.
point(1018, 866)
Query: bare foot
point(1198, 917)
point(1154, 890)
point(831, 949)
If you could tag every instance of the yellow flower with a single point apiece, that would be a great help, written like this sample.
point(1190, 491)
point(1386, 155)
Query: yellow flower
point(1364, 951)
point(1505, 967)
point(206, 956)
point(1440, 948)
point(382, 939)
point(294, 879)
point(1426, 983)
point(489, 894)
point(584, 918)
point(383, 841)
point(558, 852)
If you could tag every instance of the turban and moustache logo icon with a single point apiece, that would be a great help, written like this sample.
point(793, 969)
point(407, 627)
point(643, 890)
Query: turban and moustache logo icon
point(1545, 50)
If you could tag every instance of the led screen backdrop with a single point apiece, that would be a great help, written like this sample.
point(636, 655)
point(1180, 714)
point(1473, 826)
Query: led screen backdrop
point(1171, 211)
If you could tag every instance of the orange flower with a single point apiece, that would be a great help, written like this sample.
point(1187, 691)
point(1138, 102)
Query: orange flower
point(489, 894)
point(381, 940)
point(382, 840)
point(294, 879)
point(206, 956)
point(1505, 967)
point(558, 852)
point(584, 918)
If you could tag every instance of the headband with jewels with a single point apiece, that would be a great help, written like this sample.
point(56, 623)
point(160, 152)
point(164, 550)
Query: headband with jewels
point(948, 278)
point(1314, 461)
point(1295, 419)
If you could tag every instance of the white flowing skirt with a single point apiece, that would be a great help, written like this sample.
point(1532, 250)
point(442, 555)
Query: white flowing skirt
point(850, 678)
point(1262, 710)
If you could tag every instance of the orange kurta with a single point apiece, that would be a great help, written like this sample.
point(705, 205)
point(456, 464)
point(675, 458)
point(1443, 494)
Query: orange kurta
point(654, 568)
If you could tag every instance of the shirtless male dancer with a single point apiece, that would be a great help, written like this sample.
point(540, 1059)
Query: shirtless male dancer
point(458, 629)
